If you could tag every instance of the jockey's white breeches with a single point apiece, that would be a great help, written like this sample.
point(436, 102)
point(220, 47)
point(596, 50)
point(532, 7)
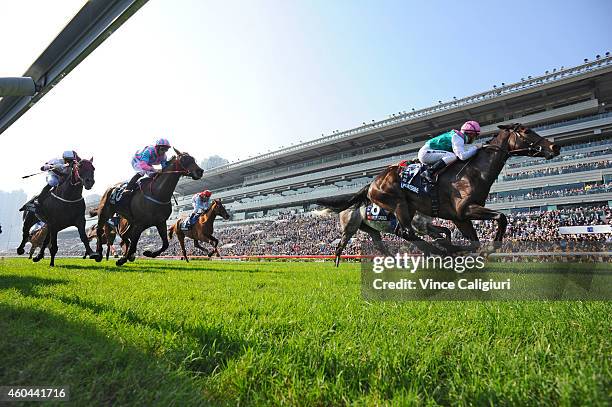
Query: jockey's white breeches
point(142, 171)
point(429, 156)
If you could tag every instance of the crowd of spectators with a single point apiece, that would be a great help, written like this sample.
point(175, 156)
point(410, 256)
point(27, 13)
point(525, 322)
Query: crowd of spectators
point(306, 234)
point(567, 169)
point(564, 157)
point(583, 190)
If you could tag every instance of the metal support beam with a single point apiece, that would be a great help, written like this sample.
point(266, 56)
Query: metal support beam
point(89, 28)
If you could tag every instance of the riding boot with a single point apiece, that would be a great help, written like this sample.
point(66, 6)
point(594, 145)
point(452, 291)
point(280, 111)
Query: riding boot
point(430, 174)
point(131, 186)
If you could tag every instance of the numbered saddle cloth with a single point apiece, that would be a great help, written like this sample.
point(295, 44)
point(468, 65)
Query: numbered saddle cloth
point(117, 193)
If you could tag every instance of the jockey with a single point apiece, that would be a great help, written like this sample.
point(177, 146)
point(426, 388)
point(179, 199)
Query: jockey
point(57, 171)
point(144, 160)
point(446, 148)
point(201, 203)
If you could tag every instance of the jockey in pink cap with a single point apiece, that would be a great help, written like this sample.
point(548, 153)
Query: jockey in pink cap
point(144, 160)
point(446, 148)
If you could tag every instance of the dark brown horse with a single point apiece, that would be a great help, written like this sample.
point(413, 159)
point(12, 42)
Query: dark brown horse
point(202, 230)
point(150, 206)
point(108, 238)
point(463, 187)
point(63, 208)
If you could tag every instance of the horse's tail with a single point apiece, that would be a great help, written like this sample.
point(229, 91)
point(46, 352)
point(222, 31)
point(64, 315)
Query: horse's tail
point(171, 231)
point(340, 203)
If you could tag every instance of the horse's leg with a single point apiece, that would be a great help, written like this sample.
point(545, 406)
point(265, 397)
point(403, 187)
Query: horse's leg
point(163, 233)
point(41, 251)
point(214, 242)
point(467, 230)
point(477, 212)
point(80, 224)
point(53, 247)
point(404, 214)
point(136, 231)
point(197, 244)
point(181, 238)
point(32, 250)
point(376, 239)
point(28, 222)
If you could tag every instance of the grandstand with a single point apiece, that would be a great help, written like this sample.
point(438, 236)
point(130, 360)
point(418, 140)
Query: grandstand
point(570, 106)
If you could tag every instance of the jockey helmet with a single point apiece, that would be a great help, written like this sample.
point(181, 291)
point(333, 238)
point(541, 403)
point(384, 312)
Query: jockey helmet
point(470, 126)
point(206, 193)
point(162, 142)
point(70, 155)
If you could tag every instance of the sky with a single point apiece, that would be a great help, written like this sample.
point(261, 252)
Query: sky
point(240, 78)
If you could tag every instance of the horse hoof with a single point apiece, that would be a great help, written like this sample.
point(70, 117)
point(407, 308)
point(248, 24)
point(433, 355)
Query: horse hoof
point(20, 251)
point(36, 259)
point(132, 258)
point(120, 262)
point(147, 253)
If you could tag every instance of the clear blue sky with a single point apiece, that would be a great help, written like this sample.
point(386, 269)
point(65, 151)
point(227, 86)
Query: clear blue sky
point(237, 78)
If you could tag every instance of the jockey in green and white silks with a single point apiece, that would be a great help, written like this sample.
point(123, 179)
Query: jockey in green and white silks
point(446, 148)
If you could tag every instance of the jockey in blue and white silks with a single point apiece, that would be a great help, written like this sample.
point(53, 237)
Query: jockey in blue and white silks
point(201, 203)
point(446, 148)
point(57, 171)
point(144, 160)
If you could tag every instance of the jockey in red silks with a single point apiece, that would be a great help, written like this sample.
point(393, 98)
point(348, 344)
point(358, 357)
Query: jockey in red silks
point(446, 148)
point(201, 203)
point(144, 160)
point(57, 171)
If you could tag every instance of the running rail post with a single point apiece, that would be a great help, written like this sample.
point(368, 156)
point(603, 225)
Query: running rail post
point(18, 86)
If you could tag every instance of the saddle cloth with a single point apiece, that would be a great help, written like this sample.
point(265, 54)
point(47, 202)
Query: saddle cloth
point(410, 177)
point(117, 193)
point(375, 213)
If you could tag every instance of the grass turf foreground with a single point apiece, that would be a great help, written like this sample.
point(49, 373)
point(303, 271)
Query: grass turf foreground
point(170, 333)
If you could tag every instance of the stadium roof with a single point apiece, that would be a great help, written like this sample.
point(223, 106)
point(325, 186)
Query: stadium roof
point(502, 104)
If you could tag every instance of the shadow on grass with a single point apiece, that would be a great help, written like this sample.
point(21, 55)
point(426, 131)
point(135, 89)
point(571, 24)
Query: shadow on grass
point(27, 285)
point(108, 267)
point(215, 349)
point(40, 347)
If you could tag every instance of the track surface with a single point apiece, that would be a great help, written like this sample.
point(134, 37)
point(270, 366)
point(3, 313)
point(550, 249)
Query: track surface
point(164, 332)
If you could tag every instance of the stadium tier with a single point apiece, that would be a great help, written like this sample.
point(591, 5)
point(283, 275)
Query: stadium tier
point(570, 106)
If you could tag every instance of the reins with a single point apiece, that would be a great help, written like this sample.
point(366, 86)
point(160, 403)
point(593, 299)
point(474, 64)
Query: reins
point(508, 153)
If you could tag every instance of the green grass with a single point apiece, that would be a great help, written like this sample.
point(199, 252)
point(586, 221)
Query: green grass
point(168, 333)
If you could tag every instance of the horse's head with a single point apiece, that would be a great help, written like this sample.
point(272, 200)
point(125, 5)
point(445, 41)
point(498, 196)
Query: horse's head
point(188, 165)
point(522, 141)
point(220, 209)
point(84, 172)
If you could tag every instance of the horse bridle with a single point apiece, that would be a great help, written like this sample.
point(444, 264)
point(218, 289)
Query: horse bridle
point(76, 174)
point(533, 147)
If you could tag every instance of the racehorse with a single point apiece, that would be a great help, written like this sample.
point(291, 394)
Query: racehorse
point(37, 239)
point(108, 238)
point(354, 218)
point(463, 187)
point(202, 230)
point(63, 208)
point(149, 206)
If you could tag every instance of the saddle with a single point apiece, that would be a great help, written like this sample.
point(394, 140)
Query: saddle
point(116, 196)
point(412, 180)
